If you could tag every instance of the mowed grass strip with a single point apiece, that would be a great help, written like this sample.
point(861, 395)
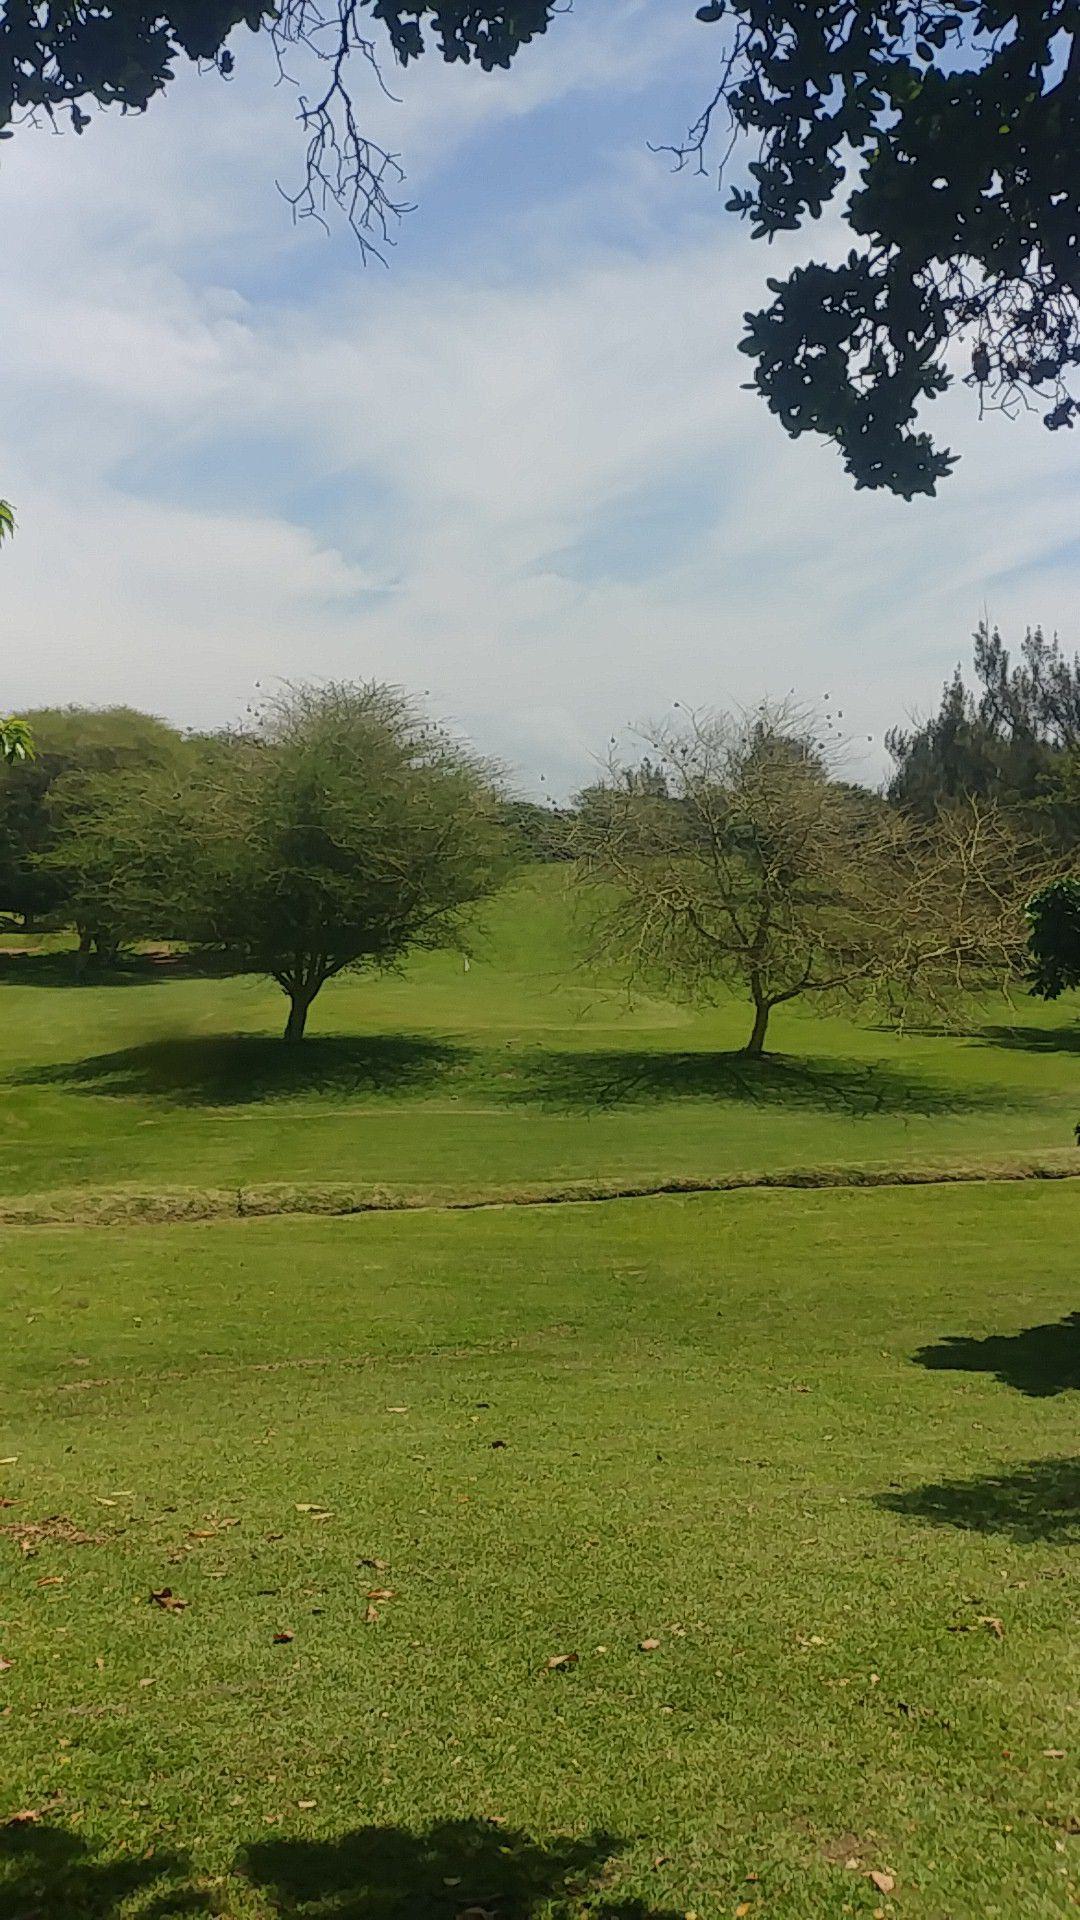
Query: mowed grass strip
point(785, 1477)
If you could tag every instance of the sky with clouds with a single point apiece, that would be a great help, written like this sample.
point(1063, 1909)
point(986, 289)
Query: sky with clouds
point(514, 470)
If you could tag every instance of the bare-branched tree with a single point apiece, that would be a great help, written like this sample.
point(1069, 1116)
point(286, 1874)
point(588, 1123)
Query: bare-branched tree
point(758, 872)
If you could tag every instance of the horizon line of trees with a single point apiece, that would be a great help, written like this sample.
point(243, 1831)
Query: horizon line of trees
point(342, 829)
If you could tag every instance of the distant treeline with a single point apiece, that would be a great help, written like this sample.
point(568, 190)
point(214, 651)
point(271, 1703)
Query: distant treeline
point(342, 828)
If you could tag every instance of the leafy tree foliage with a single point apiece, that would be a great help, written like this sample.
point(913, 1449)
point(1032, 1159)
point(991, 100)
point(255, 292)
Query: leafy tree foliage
point(343, 833)
point(953, 129)
point(537, 832)
point(945, 132)
point(69, 743)
point(760, 873)
point(1011, 738)
point(1054, 916)
point(16, 741)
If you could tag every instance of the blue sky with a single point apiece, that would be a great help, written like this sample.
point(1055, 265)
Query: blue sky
point(515, 470)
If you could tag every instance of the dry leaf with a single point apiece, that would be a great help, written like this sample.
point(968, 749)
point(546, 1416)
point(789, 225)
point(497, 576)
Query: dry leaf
point(24, 1816)
point(557, 1661)
point(884, 1882)
point(1053, 1753)
point(380, 1593)
point(5, 1665)
point(377, 1566)
point(306, 1805)
point(50, 1580)
point(282, 1639)
point(169, 1601)
point(397, 1409)
point(371, 1614)
point(648, 1646)
point(311, 1506)
point(149, 1682)
point(9, 1460)
point(742, 1910)
point(993, 1625)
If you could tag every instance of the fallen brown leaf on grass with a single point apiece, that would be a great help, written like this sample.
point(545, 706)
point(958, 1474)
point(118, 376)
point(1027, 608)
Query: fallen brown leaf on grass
point(282, 1639)
point(167, 1600)
point(6, 1665)
point(742, 1910)
point(1053, 1753)
point(50, 1580)
point(305, 1806)
point(377, 1566)
point(884, 1882)
point(556, 1662)
point(381, 1593)
point(313, 1507)
point(28, 1534)
point(24, 1816)
point(988, 1620)
point(648, 1646)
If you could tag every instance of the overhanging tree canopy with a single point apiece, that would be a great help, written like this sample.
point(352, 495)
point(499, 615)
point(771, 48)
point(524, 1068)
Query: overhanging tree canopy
point(944, 133)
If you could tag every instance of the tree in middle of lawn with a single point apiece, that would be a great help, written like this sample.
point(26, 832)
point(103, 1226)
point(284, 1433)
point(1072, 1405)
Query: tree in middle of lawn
point(751, 869)
point(345, 831)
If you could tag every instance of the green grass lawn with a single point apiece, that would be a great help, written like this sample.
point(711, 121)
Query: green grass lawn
point(813, 1445)
point(520, 1070)
point(816, 1446)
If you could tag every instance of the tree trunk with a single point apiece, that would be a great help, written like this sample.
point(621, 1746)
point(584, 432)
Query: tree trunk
point(756, 1043)
point(82, 958)
point(298, 1013)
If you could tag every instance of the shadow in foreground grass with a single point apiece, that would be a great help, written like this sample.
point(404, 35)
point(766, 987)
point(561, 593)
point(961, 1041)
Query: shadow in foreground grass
point(1036, 1502)
point(373, 1873)
point(391, 1873)
point(622, 1077)
point(47, 1873)
point(230, 1071)
point(1040, 1361)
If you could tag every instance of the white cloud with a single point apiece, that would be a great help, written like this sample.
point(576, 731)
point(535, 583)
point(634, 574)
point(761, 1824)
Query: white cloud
point(226, 472)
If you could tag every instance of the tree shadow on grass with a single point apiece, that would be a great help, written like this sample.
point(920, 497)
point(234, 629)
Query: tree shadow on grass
point(441, 1872)
point(1040, 1361)
point(1034, 1039)
point(240, 1070)
point(47, 1873)
point(438, 1872)
point(1036, 1502)
point(621, 1077)
point(58, 967)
